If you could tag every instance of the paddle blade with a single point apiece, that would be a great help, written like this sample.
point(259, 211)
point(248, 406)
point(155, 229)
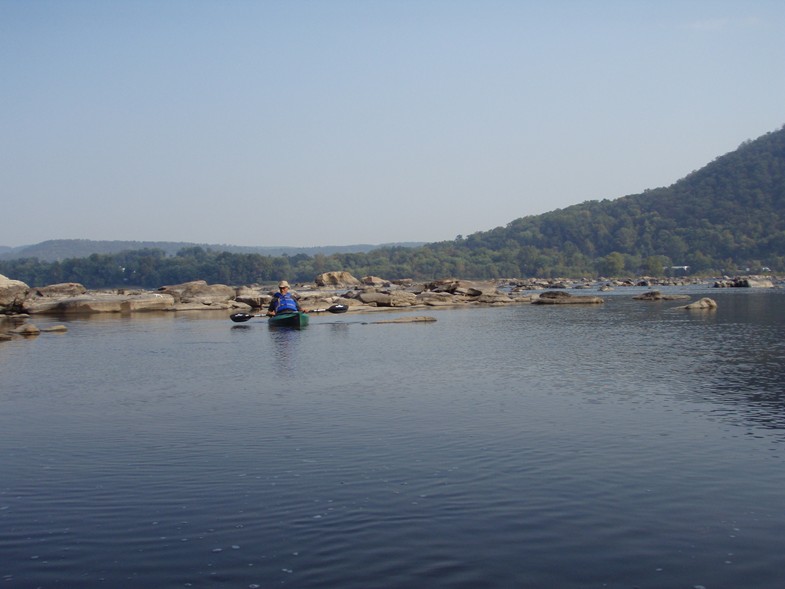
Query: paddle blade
point(240, 317)
point(338, 309)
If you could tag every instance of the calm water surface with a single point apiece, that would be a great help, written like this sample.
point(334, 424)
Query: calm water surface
point(625, 445)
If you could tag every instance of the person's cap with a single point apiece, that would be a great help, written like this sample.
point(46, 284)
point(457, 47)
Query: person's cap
point(283, 284)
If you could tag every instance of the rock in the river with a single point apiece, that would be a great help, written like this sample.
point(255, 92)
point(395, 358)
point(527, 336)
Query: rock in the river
point(55, 329)
point(552, 297)
point(744, 282)
point(100, 303)
point(656, 295)
point(254, 296)
point(336, 280)
point(198, 291)
point(418, 319)
point(703, 304)
point(61, 290)
point(396, 298)
point(27, 330)
point(438, 299)
point(375, 281)
point(12, 294)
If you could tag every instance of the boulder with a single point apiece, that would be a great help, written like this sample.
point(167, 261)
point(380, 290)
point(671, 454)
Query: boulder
point(347, 301)
point(198, 291)
point(401, 298)
point(703, 304)
point(555, 294)
point(61, 290)
point(744, 282)
point(336, 280)
point(382, 299)
point(462, 287)
point(12, 294)
point(438, 299)
point(751, 282)
point(374, 281)
point(494, 299)
point(374, 298)
point(27, 330)
point(254, 296)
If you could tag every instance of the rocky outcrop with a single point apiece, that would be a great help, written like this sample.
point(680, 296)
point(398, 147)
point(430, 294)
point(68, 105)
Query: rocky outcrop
point(744, 282)
point(565, 298)
point(99, 303)
point(12, 294)
point(495, 299)
point(336, 280)
point(254, 296)
point(374, 281)
point(199, 292)
point(462, 287)
point(395, 298)
point(62, 290)
point(438, 299)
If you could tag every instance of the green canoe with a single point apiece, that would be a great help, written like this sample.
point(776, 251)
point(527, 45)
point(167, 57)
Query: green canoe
point(296, 320)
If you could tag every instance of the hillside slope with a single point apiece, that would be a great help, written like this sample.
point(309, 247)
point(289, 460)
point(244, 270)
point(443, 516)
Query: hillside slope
point(729, 213)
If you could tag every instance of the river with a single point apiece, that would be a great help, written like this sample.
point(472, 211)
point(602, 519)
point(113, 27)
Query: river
point(629, 444)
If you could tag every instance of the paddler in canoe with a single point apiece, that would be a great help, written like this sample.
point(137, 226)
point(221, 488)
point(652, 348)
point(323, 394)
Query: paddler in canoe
point(284, 302)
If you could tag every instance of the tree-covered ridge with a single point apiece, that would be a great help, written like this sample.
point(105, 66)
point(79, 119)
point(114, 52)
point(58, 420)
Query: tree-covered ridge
point(726, 217)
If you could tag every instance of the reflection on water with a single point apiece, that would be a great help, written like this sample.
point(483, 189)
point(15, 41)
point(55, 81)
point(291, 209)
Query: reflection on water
point(617, 445)
point(285, 342)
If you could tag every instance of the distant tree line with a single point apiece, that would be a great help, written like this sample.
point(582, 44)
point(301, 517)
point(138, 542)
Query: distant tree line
point(728, 217)
point(152, 268)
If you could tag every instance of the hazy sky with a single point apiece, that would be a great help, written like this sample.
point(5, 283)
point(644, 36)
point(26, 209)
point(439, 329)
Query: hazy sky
point(334, 122)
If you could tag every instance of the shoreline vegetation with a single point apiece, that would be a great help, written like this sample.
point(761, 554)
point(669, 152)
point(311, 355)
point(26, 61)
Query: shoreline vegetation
point(19, 302)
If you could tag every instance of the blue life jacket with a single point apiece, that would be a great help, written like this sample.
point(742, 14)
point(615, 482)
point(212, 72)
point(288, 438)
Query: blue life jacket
point(285, 303)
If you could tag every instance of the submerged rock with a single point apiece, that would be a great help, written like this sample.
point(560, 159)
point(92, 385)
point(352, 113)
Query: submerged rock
point(419, 319)
point(565, 298)
point(655, 295)
point(55, 329)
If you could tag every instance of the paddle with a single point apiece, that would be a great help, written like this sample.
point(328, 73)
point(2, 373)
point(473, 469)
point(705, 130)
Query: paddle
point(241, 317)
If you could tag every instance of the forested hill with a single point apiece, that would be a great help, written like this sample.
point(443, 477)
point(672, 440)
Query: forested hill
point(729, 215)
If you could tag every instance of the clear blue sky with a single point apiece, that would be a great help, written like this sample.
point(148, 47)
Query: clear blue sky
point(367, 121)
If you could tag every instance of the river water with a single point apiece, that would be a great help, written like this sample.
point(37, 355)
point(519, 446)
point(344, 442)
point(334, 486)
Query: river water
point(630, 444)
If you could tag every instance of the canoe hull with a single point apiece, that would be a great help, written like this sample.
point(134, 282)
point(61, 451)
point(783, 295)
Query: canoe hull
point(295, 320)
